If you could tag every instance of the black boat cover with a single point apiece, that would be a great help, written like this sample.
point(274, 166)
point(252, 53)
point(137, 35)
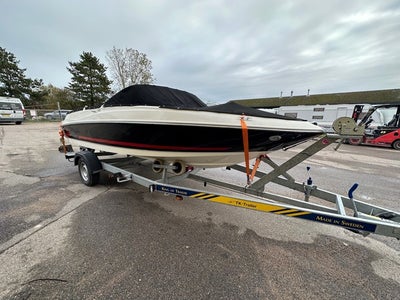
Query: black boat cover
point(153, 95)
point(166, 97)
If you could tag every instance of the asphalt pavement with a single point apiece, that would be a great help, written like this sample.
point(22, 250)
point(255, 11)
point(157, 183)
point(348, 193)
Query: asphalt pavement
point(60, 239)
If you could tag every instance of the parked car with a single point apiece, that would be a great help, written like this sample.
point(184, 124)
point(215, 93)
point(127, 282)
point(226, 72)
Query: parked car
point(55, 115)
point(11, 110)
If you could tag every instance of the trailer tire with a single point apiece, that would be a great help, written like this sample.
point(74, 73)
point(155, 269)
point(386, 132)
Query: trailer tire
point(87, 176)
point(89, 167)
point(396, 145)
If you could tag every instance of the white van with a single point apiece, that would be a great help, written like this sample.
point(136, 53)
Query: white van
point(11, 110)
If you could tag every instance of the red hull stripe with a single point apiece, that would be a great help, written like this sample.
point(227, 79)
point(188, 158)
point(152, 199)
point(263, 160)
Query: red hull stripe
point(149, 146)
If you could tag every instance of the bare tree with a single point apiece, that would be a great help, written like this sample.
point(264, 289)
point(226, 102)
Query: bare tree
point(129, 66)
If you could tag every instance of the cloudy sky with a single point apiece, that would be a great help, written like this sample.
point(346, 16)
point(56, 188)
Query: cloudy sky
point(216, 49)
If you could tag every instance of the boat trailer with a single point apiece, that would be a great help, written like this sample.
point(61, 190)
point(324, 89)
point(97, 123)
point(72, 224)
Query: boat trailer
point(344, 211)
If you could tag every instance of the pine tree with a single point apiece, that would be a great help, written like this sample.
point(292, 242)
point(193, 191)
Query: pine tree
point(13, 82)
point(38, 93)
point(89, 82)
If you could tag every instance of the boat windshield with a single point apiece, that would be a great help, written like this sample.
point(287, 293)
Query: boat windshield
point(154, 95)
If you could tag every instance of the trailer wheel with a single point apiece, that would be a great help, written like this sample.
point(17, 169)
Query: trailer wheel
point(396, 144)
point(86, 173)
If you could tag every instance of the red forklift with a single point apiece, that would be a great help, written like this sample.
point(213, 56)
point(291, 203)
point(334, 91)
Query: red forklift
point(387, 133)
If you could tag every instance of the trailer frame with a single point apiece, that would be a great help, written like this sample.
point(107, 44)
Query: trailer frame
point(344, 211)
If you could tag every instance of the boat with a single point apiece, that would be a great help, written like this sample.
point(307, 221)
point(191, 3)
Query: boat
point(173, 126)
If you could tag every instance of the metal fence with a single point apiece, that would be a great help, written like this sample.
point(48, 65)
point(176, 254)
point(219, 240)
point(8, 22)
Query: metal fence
point(43, 114)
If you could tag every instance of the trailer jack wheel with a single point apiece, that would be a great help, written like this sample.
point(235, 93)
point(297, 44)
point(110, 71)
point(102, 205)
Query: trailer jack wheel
point(86, 173)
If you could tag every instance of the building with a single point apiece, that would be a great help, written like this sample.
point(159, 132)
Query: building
point(364, 97)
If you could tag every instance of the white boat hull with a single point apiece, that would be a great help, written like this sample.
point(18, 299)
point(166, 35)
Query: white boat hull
point(197, 138)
